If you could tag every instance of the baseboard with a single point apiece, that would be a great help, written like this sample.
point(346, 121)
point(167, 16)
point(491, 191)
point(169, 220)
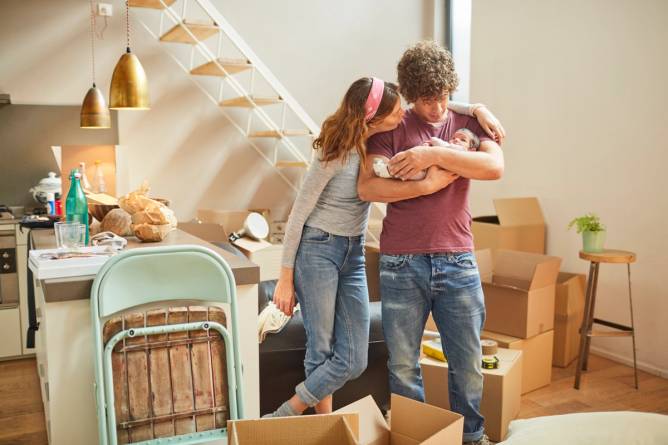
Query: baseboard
point(629, 362)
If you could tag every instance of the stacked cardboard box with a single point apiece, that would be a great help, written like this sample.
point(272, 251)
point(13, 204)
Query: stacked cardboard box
point(263, 253)
point(536, 356)
point(519, 290)
point(501, 390)
point(360, 423)
point(568, 314)
point(517, 225)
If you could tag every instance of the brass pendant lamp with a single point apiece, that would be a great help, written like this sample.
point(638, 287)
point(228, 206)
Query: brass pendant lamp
point(94, 111)
point(129, 87)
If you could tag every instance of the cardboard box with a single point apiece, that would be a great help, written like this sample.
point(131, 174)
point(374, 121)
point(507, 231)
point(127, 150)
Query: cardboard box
point(568, 314)
point(501, 390)
point(372, 256)
point(266, 255)
point(517, 225)
point(519, 290)
point(361, 423)
point(536, 357)
point(331, 429)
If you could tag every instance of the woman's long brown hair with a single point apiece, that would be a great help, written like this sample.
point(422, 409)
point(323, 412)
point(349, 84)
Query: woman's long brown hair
point(346, 129)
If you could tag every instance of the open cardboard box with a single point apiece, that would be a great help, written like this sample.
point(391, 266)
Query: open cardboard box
point(536, 357)
point(361, 422)
point(517, 225)
point(501, 390)
point(568, 314)
point(519, 290)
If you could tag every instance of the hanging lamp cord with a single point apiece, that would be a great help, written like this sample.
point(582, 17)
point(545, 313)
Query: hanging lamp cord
point(127, 22)
point(92, 40)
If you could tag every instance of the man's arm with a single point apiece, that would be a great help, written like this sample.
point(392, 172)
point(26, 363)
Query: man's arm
point(374, 189)
point(484, 164)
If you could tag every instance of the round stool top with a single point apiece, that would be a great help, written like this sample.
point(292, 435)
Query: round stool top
point(609, 256)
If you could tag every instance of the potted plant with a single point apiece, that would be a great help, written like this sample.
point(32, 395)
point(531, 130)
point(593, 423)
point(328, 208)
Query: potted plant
point(593, 232)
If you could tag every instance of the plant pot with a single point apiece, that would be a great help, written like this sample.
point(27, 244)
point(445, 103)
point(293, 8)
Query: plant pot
point(593, 241)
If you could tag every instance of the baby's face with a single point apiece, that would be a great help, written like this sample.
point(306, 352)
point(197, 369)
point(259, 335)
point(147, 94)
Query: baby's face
point(461, 138)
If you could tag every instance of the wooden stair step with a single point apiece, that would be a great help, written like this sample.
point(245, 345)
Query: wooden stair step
point(250, 101)
point(178, 34)
point(153, 4)
point(232, 66)
point(294, 164)
point(597, 333)
point(279, 134)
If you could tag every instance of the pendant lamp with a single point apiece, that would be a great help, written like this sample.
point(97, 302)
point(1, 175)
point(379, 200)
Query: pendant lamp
point(94, 111)
point(129, 87)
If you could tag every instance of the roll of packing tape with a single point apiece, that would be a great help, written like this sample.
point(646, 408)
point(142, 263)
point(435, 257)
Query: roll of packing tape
point(489, 347)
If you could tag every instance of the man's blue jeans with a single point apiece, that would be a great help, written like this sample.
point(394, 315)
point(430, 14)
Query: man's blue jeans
point(448, 285)
point(330, 283)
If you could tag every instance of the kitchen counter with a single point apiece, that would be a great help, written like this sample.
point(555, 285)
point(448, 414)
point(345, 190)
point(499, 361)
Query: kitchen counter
point(64, 341)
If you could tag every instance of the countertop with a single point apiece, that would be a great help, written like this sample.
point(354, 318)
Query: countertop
point(245, 271)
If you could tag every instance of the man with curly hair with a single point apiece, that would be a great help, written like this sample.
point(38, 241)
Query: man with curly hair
point(427, 263)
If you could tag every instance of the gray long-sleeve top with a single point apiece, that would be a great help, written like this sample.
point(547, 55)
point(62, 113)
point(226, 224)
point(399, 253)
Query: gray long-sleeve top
point(328, 201)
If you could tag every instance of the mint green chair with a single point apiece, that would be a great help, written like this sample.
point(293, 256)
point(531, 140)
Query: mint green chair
point(154, 275)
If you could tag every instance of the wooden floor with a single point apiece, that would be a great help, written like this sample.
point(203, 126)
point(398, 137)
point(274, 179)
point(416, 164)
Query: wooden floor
point(607, 386)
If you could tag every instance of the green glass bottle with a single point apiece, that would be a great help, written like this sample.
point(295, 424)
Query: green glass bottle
point(76, 205)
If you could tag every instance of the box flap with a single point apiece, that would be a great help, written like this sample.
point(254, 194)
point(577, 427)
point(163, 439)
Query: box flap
point(504, 341)
point(538, 270)
point(251, 245)
point(373, 429)
point(210, 232)
point(485, 266)
point(519, 211)
point(420, 421)
point(328, 429)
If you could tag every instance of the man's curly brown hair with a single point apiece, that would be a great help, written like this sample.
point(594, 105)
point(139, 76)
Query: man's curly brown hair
point(426, 70)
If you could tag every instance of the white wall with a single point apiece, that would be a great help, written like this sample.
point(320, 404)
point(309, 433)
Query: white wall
point(581, 88)
point(183, 145)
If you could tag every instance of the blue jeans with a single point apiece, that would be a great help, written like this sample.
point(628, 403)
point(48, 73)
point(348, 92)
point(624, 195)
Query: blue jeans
point(448, 285)
point(330, 283)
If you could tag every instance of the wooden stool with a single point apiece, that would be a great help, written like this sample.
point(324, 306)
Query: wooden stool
point(586, 332)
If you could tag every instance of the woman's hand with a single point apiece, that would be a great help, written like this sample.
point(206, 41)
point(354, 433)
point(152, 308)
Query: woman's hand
point(284, 294)
point(490, 123)
point(438, 179)
point(410, 162)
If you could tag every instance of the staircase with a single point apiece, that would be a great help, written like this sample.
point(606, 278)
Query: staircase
point(220, 63)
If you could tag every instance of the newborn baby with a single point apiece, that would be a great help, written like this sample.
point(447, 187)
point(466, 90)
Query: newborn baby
point(463, 137)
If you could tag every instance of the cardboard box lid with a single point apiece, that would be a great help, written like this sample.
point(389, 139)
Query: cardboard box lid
point(570, 296)
point(535, 269)
point(415, 421)
point(251, 245)
point(327, 429)
point(519, 211)
point(210, 232)
point(507, 357)
point(373, 429)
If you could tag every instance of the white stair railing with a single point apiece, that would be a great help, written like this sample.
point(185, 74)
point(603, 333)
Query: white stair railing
point(281, 135)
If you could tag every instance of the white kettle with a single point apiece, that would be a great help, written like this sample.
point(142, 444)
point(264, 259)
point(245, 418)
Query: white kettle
point(50, 184)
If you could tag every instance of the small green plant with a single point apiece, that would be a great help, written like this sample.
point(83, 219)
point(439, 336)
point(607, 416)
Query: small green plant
point(588, 223)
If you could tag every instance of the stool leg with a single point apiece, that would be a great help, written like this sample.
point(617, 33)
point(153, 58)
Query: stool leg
point(633, 329)
point(592, 305)
point(583, 327)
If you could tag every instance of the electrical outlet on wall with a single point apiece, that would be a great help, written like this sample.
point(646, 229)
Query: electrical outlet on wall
point(104, 9)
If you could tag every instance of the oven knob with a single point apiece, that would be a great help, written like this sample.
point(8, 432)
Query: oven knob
point(6, 266)
point(5, 255)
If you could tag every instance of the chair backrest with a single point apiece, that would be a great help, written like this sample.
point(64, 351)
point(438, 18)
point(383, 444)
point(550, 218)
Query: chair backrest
point(153, 275)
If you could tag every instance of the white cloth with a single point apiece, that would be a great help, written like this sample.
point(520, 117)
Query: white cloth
point(272, 321)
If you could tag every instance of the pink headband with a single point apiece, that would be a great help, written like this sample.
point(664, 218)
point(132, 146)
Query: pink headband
point(374, 98)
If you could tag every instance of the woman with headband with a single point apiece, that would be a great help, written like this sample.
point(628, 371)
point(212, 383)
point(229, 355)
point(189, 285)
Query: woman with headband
point(323, 255)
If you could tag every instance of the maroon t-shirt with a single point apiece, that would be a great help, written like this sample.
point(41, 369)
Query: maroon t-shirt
point(440, 222)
